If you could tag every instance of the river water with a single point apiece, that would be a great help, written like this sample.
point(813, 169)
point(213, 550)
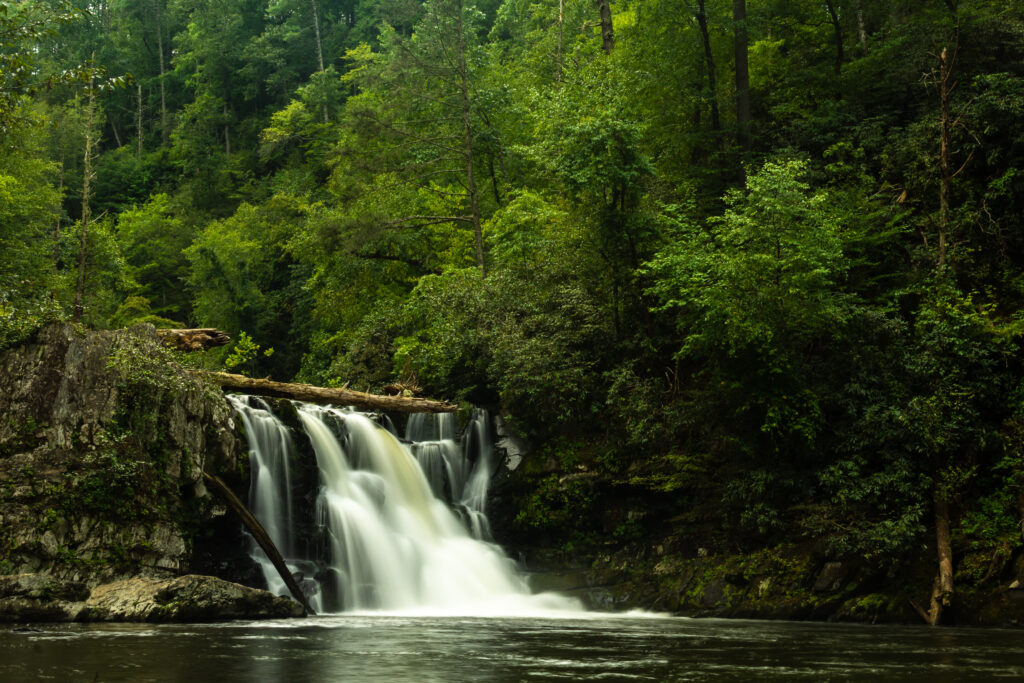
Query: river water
point(423, 648)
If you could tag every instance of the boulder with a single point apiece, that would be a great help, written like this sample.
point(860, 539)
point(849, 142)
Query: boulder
point(37, 597)
point(187, 598)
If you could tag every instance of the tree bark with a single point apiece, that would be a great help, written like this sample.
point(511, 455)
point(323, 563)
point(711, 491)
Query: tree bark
point(862, 32)
point(87, 176)
point(227, 132)
point(558, 54)
point(138, 121)
point(262, 537)
point(319, 48)
point(837, 30)
point(467, 129)
point(709, 58)
point(327, 396)
point(942, 589)
point(163, 94)
point(604, 7)
point(946, 86)
point(740, 40)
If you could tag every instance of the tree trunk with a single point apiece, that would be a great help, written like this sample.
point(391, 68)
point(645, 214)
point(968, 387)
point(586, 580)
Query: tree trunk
point(558, 53)
point(87, 175)
point(942, 589)
point(138, 121)
point(467, 129)
point(262, 537)
point(607, 30)
point(946, 86)
point(327, 396)
point(837, 30)
point(709, 59)
point(163, 94)
point(319, 48)
point(739, 17)
point(227, 132)
point(862, 32)
point(60, 209)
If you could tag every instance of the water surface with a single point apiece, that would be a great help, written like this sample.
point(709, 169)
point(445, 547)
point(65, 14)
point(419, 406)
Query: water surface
point(423, 648)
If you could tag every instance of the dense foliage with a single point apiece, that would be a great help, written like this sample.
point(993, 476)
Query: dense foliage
point(768, 254)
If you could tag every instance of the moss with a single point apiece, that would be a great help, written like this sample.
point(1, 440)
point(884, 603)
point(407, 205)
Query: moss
point(872, 605)
point(23, 435)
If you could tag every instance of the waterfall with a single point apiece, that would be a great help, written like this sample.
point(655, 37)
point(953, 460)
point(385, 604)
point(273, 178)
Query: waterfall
point(393, 525)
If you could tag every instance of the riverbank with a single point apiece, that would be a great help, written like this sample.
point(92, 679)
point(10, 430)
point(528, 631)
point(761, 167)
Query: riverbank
point(618, 540)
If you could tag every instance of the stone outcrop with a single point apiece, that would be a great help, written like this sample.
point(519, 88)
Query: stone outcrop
point(104, 439)
point(186, 598)
point(36, 597)
point(26, 598)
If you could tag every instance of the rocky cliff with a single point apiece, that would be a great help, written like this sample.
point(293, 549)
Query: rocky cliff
point(104, 438)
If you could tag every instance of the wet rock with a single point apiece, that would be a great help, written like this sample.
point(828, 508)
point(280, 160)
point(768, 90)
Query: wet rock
point(509, 446)
point(831, 577)
point(103, 444)
point(713, 593)
point(186, 598)
point(37, 597)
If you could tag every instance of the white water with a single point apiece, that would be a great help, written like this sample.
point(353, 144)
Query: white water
point(393, 543)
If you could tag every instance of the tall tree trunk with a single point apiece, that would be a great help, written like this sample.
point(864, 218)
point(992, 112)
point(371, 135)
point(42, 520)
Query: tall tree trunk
point(163, 93)
point(739, 17)
point(87, 176)
point(319, 47)
point(946, 85)
point(709, 58)
point(60, 209)
point(467, 129)
point(942, 590)
point(837, 30)
point(138, 121)
point(862, 32)
point(558, 53)
point(227, 132)
point(607, 30)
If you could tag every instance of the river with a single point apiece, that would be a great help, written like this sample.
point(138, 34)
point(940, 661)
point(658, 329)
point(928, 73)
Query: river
point(422, 648)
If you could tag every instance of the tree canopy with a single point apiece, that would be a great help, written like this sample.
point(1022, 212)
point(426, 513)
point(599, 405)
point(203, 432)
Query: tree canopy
point(779, 238)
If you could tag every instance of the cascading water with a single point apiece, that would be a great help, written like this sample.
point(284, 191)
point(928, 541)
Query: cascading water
point(457, 473)
point(271, 451)
point(401, 526)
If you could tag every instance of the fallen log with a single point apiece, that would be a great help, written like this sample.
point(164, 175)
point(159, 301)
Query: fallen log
point(196, 339)
point(262, 537)
point(328, 396)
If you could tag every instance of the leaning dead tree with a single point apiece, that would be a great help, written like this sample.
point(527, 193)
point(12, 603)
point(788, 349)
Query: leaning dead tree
point(262, 537)
point(329, 396)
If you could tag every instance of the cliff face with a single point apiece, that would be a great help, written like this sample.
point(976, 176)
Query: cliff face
point(103, 443)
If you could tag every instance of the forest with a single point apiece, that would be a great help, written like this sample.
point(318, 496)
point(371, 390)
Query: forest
point(760, 260)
